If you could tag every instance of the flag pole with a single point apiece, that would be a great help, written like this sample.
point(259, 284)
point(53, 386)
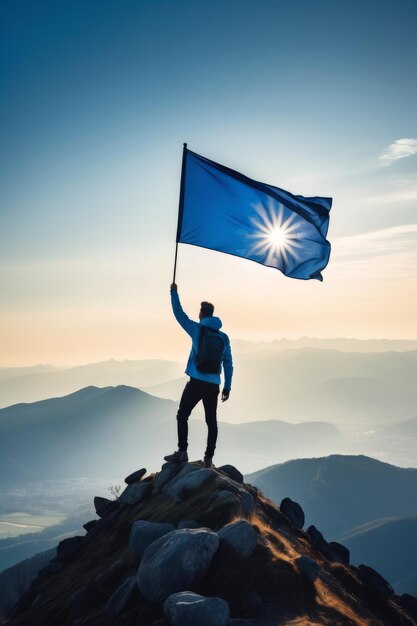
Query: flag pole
point(180, 206)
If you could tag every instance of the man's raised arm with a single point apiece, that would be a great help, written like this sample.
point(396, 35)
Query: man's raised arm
point(181, 317)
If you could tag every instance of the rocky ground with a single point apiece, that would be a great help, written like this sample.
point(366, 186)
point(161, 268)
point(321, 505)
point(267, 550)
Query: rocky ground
point(192, 546)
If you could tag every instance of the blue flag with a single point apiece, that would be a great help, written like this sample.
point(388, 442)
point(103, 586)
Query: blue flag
point(224, 210)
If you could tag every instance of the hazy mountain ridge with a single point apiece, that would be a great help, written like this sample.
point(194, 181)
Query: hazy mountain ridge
point(344, 344)
point(56, 381)
point(42, 382)
point(16, 580)
point(76, 435)
point(387, 545)
point(341, 492)
point(77, 431)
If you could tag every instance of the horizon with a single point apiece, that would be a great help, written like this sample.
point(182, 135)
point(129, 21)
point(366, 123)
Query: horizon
point(181, 356)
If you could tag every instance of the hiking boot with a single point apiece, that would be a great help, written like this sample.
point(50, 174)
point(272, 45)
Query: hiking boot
point(180, 456)
point(208, 461)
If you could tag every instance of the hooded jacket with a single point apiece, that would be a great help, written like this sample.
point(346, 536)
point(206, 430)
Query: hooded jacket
point(193, 329)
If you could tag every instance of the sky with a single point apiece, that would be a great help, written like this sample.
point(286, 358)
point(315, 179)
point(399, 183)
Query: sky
point(96, 100)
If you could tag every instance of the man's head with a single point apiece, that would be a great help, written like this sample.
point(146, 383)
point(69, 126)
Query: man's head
point(206, 310)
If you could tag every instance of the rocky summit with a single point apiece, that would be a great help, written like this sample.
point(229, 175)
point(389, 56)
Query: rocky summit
point(195, 546)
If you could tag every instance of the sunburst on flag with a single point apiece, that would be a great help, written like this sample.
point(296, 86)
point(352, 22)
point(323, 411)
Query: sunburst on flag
point(276, 234)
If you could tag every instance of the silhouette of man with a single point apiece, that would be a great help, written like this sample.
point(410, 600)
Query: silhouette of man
point(201, 386)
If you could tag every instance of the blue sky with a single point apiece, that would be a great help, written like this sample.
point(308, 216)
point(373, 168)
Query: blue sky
point(319, 97)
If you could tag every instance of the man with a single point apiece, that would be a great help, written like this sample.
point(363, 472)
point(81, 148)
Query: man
point(209, 352)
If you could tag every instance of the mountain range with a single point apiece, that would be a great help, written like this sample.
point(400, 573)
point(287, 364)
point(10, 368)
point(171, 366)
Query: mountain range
point(76, 435)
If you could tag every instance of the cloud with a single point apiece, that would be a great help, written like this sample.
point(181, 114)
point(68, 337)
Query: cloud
point(397, 241)
point(400, 149)
point(381, 259)
point(402, 195)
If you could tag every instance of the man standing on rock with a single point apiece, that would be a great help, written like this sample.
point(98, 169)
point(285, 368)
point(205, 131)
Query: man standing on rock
point(210, 351)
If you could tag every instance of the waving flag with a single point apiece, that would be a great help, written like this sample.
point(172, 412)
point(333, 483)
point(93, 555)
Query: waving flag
point(224, 210)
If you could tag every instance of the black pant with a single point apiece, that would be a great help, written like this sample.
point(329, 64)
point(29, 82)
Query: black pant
point(194, 391)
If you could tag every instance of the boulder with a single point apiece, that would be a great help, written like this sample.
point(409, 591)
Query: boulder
point(241, 537)
point(90, 525)
point(143, 533)
point(70, 544)
point(135, 493)
point(189, 482)
point(240, 502)
point(124, 596)
point(293, 511)
point(375, 582)
point(316, 538)
point(335, 552)
point(232, 473)
point(176, 562)
point(247, 502)
point(408, 603)
point(104, 506)
point(189, 609)
point(308, 567)
point(185, 468)
point(188, 523)
point(167, 473)
point(135, 476)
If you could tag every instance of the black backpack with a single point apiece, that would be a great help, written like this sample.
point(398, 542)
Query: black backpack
point(209, 356)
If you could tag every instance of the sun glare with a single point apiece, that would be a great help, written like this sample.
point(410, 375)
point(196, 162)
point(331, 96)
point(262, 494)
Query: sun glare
point(276, 235)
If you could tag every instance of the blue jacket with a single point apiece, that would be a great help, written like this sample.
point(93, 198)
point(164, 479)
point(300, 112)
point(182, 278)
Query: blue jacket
point(193, 329)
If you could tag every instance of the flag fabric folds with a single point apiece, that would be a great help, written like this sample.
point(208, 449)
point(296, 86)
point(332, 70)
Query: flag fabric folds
point(224, 210)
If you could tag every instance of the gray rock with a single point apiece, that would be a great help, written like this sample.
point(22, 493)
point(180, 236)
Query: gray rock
point(124, 596)
point(90, 525)
point(316, 538)
point(188, 523)
point(232, 473)
point(189, 609)
point(135, 493)
point(187, 468)
point(143, 533)
point(135, 476)
point(239, 503)
point(176, 562)
point(293, 511)
point(335, 552)
point(189, 482)
point(408, 603)
point(69, 545)
point(375, 582)
point(104, 506)
point(248, 504)
point(229, 499)
point(167, 473)
point(308, 567)
point(241, 537)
